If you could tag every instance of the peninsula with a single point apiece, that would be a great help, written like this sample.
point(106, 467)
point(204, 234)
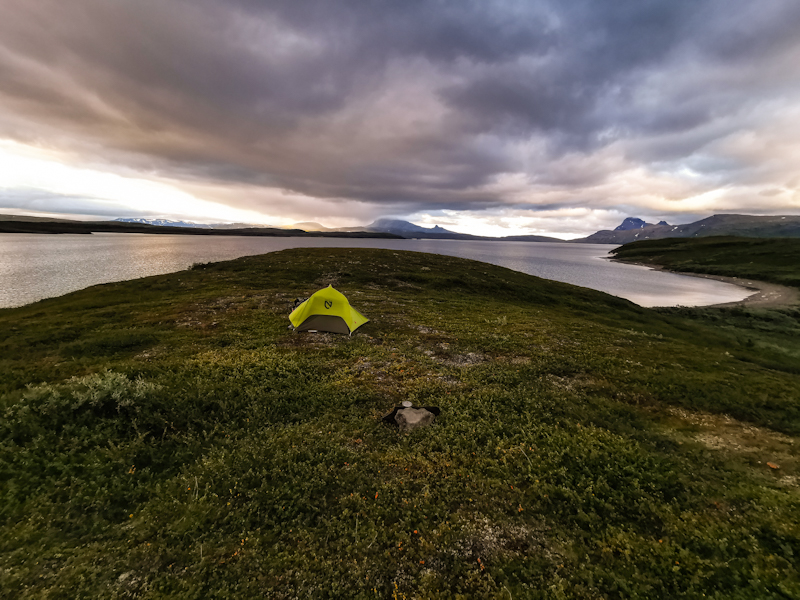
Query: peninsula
point(171, 436)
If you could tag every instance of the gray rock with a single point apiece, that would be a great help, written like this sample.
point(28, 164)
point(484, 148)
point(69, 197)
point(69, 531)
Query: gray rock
point(408, 419)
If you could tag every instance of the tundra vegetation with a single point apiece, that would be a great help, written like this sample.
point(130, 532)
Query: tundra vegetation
point(170, 437)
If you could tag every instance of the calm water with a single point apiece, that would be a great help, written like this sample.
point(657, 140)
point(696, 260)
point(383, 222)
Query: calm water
point(33, 267)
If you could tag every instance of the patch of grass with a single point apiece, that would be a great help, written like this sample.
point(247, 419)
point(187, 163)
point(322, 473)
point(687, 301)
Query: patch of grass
point(170, 437)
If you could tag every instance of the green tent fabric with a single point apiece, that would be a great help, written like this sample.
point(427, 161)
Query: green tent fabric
point(327, 310)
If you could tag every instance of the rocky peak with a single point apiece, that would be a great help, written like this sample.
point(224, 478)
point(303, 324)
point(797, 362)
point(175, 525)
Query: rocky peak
point(632, 223)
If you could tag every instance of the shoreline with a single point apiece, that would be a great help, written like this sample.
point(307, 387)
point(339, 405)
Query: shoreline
point(764, 294)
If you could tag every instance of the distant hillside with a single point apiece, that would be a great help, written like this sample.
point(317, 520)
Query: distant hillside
point(28, 219)
point(163, 222)
point(192, 225)
point(529, 238)
point(633, 230)
point(243, 226)
point(410, 230)
point(14, 224)
point(634, 223)
point(311, 226)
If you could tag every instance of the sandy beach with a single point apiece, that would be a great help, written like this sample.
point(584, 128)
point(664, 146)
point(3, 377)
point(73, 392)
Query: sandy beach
point(765, 295)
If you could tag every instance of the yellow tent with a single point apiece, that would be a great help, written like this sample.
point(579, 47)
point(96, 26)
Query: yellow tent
point(327, 310)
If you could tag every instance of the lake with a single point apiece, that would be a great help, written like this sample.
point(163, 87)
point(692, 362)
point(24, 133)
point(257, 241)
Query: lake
point(33, 267)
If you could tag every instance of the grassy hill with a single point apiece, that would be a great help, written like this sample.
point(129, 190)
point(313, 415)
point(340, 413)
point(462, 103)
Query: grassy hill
point(775, 260)
point(170, 437)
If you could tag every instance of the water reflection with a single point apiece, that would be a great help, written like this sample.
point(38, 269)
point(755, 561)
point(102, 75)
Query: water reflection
point(33, 267)
point(588, 265)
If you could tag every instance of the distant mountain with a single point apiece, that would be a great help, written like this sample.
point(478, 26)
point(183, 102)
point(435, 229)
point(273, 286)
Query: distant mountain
point(310, 226)
point(168, 223)
point(238, 226)
point(22, 224)
point(410, 230)
point(398, 226)
point(164, 223)
point(634, 223)
point(406, 229)
point(529, 238)
point(29, 219)
point(633, 229)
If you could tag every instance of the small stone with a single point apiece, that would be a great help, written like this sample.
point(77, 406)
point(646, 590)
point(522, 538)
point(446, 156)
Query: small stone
point(409, 419)
point(407, 403)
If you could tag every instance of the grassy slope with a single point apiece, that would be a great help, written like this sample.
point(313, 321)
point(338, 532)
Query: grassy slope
point(775, 260)
point(178, 441)
point(771, 336)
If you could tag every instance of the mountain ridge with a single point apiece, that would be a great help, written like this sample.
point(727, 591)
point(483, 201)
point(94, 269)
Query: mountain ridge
point(408, 229)
point(630, 230)
point(715, 225)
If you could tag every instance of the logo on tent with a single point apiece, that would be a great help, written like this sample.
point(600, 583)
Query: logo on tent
point(328, 304)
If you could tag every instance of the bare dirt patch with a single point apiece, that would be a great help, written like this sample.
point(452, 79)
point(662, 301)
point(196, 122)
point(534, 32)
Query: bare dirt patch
point(312, 339)
point(762, 449)
point(484, 541)
point(461, 360)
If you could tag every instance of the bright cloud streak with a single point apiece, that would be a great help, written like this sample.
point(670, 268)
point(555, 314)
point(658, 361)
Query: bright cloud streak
point(28, 168)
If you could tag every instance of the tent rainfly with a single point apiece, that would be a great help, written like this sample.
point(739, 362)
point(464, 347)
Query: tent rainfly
point(327, 310)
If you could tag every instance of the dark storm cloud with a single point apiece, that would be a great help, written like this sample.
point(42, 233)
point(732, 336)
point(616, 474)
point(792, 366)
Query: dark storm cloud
point(598, 45)
point(419, 104)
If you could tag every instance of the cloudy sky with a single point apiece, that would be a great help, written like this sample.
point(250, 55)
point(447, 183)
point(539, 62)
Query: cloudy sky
point(494, 117)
